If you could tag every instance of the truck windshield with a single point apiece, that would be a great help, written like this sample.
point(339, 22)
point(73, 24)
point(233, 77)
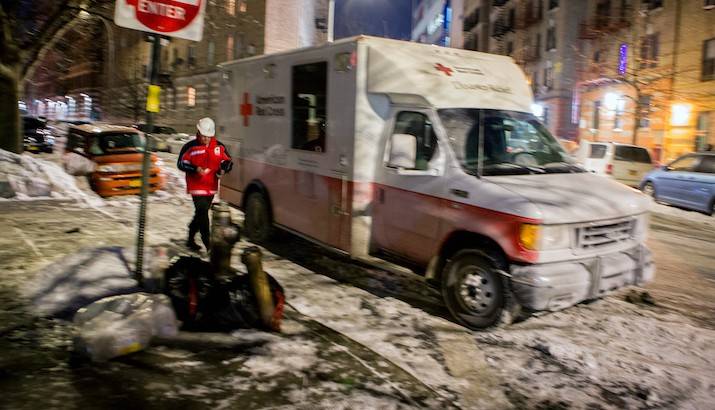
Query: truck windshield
point(116, 143)
point(511, 143)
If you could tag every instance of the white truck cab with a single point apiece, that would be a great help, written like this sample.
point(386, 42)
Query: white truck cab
point(428, 157)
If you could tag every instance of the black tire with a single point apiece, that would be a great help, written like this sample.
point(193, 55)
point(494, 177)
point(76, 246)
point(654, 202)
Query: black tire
point(649, 189)
point(258, 224)
point(476, 291)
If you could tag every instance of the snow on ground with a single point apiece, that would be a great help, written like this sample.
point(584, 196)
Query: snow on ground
point(606, 354)
point(694, 216)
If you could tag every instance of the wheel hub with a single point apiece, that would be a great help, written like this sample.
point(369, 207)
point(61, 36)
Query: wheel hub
point(477, 291)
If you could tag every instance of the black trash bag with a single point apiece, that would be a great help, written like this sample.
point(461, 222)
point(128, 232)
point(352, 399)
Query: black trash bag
point(202, 303)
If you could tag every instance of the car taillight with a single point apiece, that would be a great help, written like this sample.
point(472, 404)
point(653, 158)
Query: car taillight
point(609, 169)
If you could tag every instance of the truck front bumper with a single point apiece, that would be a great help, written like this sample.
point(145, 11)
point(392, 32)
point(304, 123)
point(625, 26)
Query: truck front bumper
point(554, 286)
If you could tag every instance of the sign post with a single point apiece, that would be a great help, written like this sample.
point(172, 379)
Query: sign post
point(174, 18)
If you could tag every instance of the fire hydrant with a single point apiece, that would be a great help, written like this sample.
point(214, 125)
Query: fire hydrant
point(224, 235)
point(259, 284)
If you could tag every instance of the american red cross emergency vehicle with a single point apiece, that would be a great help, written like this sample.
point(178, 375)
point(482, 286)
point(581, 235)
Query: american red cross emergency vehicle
point(428, 157)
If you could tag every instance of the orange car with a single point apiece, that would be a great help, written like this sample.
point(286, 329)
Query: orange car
point(118, 153)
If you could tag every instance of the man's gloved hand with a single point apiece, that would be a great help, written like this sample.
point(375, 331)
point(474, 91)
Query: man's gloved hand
point(226, 166)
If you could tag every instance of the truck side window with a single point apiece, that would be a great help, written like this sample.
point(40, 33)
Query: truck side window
point(417, 124)
point(309, 95)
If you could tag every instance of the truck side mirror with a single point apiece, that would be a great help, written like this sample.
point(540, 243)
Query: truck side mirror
point(403, 151)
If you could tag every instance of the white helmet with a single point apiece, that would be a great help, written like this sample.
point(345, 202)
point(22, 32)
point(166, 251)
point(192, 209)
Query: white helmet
point(206, 127)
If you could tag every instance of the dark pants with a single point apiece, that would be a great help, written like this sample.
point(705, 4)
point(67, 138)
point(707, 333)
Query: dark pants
point(200, 223)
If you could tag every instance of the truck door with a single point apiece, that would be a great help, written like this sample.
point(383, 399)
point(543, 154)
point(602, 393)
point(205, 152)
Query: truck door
point(406, 213)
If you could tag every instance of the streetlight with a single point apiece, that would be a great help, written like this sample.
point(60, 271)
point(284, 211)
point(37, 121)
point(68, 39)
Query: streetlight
point(680, 114)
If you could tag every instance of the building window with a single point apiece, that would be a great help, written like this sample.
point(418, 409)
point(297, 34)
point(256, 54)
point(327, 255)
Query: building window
point(545, 116)
point(596, 115)
point(238, 46)
point(309, 113)
point(649, 51)
point(553, 4)
point(210, 51)
point(472, 20)
point(230, 41)
point(708, 69)
point(173, 98)
point(191, 55)
point(702, 133)
point(618, 115)
point(549, 76)
point(653, 4)
point(243, 6)
point(190, 96)
point(538, 46)
point(231, 7)
point(644, 107)
point(551, 39)
point(512, 19)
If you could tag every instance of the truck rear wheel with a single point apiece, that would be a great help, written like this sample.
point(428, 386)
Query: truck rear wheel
point(257, 224)
point(476, 292)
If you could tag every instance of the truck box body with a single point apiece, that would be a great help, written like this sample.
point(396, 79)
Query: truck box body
point(319, 132)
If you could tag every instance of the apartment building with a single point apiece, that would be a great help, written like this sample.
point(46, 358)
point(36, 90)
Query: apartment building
point(648, 74)
point(438, 22)
point(540, 35)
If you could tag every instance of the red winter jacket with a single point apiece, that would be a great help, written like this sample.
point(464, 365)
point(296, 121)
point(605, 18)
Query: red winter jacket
point(212, 156)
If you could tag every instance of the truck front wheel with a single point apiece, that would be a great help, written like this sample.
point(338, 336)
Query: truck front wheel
point(475, 291)
point(257, 224)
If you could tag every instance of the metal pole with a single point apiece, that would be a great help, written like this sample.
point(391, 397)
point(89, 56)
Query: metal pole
point(331, 21)
point(146, 160)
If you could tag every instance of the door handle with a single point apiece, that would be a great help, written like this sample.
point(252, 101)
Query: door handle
point(460, 193)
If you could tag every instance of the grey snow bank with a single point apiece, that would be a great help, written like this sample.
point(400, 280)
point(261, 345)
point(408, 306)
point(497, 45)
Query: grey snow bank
point(23, 177)
point(79, 279)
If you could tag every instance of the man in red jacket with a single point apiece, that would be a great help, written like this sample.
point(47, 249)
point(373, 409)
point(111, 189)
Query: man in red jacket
point(204, 160)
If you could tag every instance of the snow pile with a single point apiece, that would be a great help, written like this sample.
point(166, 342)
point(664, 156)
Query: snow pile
point(79, 279)
point(597, 354)
point(23, 177)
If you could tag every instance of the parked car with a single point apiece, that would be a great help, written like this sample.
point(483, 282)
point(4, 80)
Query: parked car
point(160, 133)
point(118, 153)
point(624, 163)
point(177, 141)
point(37, 137)
point(688, 182)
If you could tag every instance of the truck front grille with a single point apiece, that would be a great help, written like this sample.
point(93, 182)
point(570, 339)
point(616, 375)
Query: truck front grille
point(592, 237)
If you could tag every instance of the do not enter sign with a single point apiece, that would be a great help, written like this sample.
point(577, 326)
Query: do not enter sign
point(174, 18)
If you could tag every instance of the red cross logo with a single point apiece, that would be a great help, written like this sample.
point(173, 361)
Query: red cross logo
point(246, 109)
point(443, 69)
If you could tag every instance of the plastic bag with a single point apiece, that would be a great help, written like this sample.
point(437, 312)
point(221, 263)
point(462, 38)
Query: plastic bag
point(203, 303)
point(119, 325)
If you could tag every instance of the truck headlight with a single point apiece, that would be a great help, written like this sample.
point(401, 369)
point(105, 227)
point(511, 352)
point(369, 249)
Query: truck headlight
point(544, 237)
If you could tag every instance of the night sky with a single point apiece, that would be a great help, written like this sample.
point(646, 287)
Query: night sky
point(384, 18)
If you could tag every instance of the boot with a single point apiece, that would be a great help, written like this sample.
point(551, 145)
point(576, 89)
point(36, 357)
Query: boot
point(191, 243)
